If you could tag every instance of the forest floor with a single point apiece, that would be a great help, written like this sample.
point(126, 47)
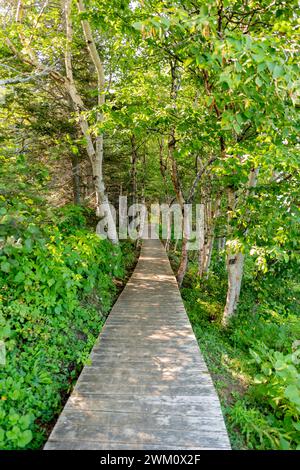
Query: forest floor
point(254, 362)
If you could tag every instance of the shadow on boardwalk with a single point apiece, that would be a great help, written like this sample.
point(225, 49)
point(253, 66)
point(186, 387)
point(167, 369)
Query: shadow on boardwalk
point(148, 386)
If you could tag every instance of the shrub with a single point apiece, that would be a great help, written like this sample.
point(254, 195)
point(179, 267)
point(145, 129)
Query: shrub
point(56, 287)
point(278, 384)
point(254, 362)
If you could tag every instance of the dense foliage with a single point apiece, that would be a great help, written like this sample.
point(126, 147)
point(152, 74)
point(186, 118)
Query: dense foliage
point(57, 286)
point(186, 101)
point(255, 362)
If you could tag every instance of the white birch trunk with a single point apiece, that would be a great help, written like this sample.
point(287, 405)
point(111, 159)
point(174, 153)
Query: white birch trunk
point(205, 251)
point(94, 150)
point(208, 253)
point(201, 230)
point(235, 268)
point(235, 261)
point(169, 228)
point(184, 249)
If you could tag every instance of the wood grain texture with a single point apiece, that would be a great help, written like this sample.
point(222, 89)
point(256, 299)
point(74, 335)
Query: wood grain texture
point(147, 386)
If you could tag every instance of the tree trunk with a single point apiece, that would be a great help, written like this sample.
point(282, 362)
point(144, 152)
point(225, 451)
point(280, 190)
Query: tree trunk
point(180, 199)
point(94, 149)
point(235, 266)
point(76, 179)
point(175, 178)
point(235, 261)
point(133, 170)
point(201, 230)
point(184, 251)
point(144, 229)
point(220, 247)
point(206, 249)
point(208, 253)
point(221, 243)
point(183, 262)
point(163, 165)
point(169, 233)
point(163, 170)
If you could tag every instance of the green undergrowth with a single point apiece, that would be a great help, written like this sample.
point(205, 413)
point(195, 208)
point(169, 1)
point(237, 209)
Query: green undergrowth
point(58, 281)
point(255, 362)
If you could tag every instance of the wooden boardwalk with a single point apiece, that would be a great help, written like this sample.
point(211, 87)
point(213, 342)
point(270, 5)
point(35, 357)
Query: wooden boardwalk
point(148, 386)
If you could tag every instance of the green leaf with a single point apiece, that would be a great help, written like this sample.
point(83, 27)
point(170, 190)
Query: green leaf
point(203, 10)
point(293, 394)
point(58, 309)
point(19, 277)
point(2, 353)
point(240, 119)
point(255, 356)
point(284, 444)
point(237, 127)
point(13, 433)
point(286, 257)
point(28, 244)
point(74, 149)
point(25, 438)
point(25, 421)
point(296, 425)
point(278, 71)
point(15, 394)
point(5, 266)
point(138, 25)
point(260, 57)
point(261, 67)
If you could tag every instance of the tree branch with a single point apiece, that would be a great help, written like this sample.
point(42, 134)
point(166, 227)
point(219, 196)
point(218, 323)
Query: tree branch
point(20, 79)
point(197, 179)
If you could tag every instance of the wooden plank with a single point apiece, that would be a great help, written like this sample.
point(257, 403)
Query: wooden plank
point(159, 342)
point(134, 377)
point(147, 386)
point(104, 445)
point(155, 361)
point(140, 368)
point(144, 389)
point(131, 435)
point(185, 352)
point(141, 420)
point(185, 405)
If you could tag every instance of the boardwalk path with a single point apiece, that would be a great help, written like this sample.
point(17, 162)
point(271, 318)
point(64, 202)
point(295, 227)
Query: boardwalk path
point(148, 386)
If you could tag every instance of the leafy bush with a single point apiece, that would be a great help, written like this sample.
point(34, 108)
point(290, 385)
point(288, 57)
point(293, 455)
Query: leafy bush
point(56, 287)
point(255, 362)
point(279, 383)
